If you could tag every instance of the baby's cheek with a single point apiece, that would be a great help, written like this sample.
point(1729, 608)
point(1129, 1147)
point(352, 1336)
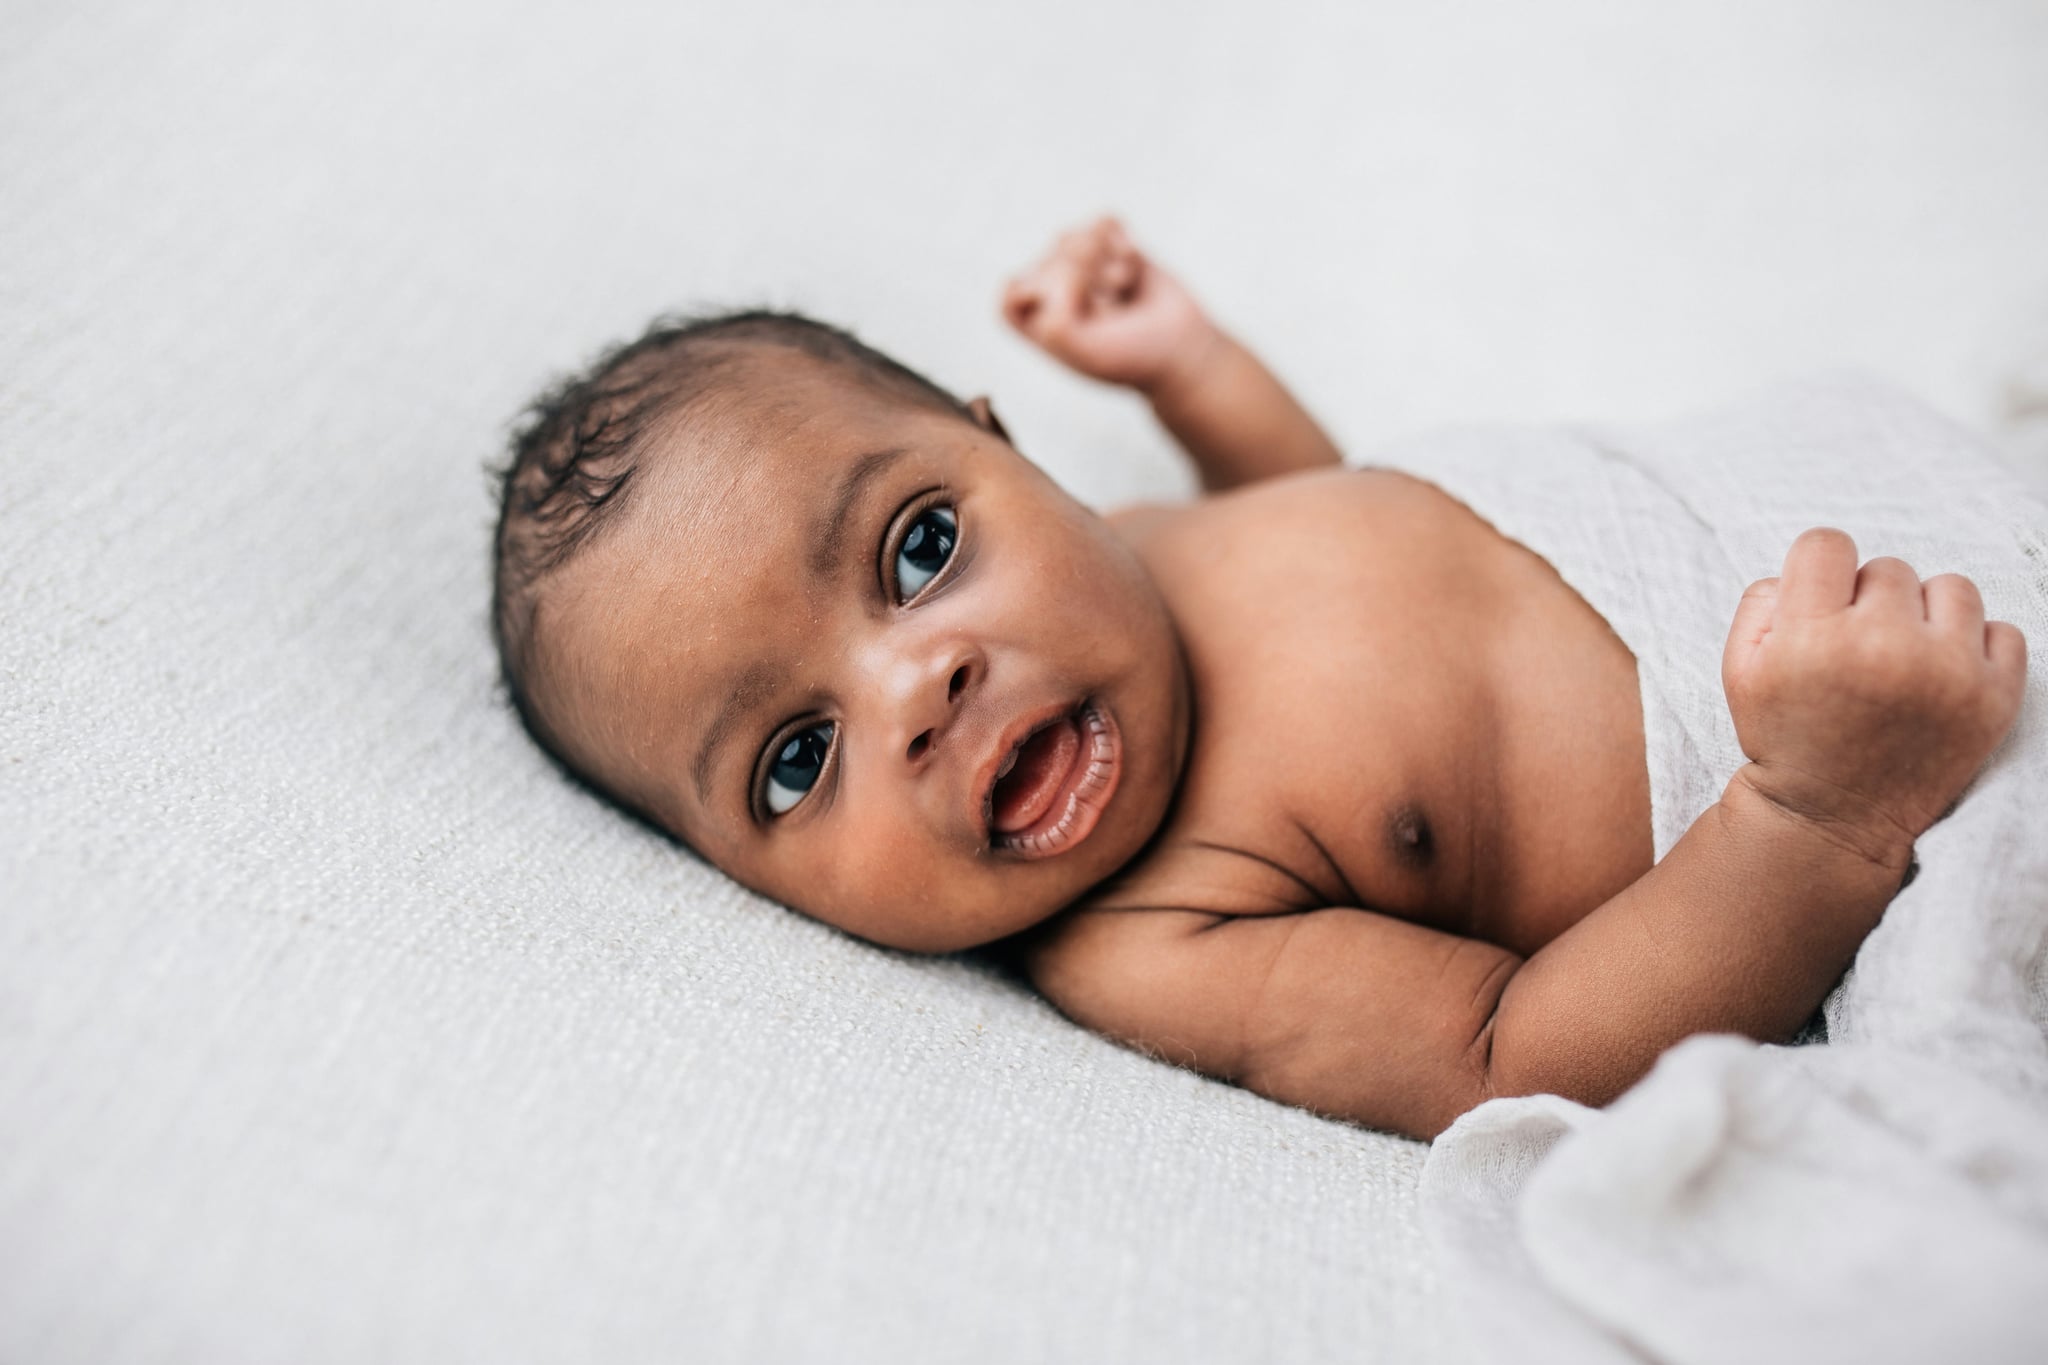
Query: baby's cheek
point(890, 866)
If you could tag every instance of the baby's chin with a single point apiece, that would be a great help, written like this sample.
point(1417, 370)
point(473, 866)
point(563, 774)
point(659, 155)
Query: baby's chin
point(982, 902)
point(965, 931)
point(1002, 902)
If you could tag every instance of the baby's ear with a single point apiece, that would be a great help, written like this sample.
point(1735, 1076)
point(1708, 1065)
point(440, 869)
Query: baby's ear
point(984, 415)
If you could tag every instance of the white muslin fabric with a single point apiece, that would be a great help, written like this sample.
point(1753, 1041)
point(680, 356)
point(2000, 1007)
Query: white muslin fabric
point(1881, 1198)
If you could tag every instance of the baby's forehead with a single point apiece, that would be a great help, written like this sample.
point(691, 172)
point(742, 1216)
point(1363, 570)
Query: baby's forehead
point(772, 418)
point(783, 389)
point(750, 461)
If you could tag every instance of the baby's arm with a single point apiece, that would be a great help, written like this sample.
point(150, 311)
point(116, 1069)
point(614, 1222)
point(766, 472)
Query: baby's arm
point(1864, 700)
point(1101, 307)
point(1741, 928)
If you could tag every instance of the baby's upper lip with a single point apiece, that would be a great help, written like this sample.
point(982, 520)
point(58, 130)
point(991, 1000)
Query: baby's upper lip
point(1011, 739)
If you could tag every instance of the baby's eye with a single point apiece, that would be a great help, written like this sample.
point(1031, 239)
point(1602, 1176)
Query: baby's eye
point(926, 548)
point(795, 767)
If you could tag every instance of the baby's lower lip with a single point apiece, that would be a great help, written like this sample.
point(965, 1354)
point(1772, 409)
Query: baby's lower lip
point(1082, 796)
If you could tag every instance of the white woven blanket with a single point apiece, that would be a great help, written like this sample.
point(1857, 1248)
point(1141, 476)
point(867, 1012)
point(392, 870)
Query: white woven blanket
point(1883, 1198)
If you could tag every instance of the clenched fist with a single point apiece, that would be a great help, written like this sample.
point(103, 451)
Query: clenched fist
point(1866, 699)
point(1099, 306)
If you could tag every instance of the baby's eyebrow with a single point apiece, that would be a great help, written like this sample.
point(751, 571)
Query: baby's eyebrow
point(756, 683)
point(828, 533)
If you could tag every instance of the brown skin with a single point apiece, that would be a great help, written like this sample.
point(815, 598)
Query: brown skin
point(707, 590)
point(1380, 843)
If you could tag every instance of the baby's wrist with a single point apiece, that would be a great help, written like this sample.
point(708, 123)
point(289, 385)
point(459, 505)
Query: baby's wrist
point(1859, 834)
point(1187, 368)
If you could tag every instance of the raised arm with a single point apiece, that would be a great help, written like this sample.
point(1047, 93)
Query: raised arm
point(1101, 307)
point(1865, 701)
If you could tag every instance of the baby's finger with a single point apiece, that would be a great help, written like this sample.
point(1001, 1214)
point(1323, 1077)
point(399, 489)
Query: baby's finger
point(1819, 577)
point(1890, 584)
point(2007, 650)
point(1022, 298)
point(1118, 243)
point(1954, 604)
point(1096, 259)
point(1753, 616)
point(1083, 246)
point(1120, 272)
point(1062, 302)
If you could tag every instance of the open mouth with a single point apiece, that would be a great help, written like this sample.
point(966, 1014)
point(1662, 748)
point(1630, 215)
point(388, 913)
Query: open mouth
point(1053, 785)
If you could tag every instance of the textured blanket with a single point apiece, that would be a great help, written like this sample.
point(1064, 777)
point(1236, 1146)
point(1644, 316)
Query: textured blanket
point(335, 1027)
point(1884, 1197)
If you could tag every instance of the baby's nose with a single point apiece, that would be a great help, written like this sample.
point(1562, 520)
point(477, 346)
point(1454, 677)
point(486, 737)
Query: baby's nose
point(956, 686)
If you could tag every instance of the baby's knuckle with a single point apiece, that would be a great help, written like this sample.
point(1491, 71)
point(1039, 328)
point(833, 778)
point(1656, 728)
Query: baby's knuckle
point(2008, 642)
point(1956, 584)
point(1821, 538)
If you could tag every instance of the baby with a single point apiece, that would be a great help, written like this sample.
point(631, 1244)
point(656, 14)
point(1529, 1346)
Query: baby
point(1319, 784)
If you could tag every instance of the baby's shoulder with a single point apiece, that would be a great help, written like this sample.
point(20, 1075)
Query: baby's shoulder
point(1345, 519)
point(1135, 521)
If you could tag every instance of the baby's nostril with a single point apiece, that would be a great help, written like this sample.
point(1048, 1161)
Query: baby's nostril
point(919, 745)
point(953, 688)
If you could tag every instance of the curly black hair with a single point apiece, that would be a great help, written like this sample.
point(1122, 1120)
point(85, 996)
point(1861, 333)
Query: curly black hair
point(577, 447)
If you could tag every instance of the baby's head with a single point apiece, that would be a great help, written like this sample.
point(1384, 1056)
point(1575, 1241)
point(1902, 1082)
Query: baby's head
point(809, 613)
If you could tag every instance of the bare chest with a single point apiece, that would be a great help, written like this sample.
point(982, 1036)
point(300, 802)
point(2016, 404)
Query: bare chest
point(1395, 708)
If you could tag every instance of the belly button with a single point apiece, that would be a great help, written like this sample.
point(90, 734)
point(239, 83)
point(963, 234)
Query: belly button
point(1409, 837)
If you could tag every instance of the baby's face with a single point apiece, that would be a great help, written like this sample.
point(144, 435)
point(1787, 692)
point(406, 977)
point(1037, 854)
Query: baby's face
point(871, 662)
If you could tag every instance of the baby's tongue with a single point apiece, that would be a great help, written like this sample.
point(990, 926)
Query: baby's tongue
point(1026, 792)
